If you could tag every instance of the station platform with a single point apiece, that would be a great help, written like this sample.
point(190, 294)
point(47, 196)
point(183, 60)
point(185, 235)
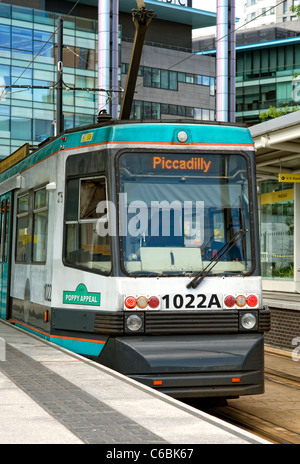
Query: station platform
point(49, 395)
point(282, 300)
point(285, 319)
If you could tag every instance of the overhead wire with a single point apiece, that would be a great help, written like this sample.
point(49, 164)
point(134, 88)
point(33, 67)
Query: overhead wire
point(207, 48)
point(240, 27)
point(217, 40)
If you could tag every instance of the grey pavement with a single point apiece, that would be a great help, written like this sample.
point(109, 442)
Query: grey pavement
point(49, 395)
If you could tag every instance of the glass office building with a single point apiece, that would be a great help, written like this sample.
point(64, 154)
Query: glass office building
point(27, 114)
point(267, 70)
point(277, 229)
point(267, 74)
point(28, 57)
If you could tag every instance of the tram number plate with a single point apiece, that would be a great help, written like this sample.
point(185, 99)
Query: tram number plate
point(191, 301)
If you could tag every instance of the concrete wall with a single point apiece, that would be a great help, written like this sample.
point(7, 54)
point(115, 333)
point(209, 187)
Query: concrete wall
point(188, 94)
point(285, 327)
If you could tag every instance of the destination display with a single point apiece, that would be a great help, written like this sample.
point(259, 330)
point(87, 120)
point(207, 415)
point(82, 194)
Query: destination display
point(181, 164)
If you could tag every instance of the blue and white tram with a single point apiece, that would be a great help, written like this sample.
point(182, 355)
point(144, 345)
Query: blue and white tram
point(136, 244)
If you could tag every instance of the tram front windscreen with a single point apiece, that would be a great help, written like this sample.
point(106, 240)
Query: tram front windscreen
point(178, 212)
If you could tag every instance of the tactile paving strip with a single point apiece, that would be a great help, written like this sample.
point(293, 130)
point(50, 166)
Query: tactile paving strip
point(88, 418)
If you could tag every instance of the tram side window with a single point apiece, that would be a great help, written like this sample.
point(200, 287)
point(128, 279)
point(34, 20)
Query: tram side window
point(6, 232)
point(40, 226)
point(85, 247)
point(23, 237)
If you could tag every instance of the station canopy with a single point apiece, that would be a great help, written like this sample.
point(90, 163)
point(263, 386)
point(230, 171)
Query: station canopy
point(277, 144)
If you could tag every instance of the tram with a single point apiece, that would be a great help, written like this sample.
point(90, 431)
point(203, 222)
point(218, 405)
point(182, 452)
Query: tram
point(136, 244)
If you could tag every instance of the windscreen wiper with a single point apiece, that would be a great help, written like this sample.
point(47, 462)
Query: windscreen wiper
point(200, 276)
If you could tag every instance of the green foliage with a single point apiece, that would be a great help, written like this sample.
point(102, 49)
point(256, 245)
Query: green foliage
point(284, 271)
point(295, 9)
point(273, 112)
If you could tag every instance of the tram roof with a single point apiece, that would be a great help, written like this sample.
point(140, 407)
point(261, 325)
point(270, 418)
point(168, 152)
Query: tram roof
point(124, 132)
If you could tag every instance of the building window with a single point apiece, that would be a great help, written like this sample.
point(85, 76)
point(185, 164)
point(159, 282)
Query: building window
point(280, 64)
point(22, 39)
point(152, 110)
point(5, 36)
point(42, 129)
point(277, 230)
point(21, 128)
point(169, 80)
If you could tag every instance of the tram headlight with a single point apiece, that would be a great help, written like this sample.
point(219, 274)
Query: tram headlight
point(134, 323)
point(248, 321)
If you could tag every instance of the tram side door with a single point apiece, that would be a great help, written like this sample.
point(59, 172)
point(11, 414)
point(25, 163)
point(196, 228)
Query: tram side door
point(5, 256)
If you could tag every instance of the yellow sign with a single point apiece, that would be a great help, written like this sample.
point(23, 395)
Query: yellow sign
point(276, 197)
point(289, 177)
point(15, 157)
point(87, 137)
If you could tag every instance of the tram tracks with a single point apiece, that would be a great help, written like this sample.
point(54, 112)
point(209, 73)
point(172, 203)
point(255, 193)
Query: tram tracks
point(262, 428)
point(274, 415)
point(270, 420)
point(276, 376)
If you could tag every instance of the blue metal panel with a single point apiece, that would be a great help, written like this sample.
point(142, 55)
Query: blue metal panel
point(80, 346)
point(255, 46)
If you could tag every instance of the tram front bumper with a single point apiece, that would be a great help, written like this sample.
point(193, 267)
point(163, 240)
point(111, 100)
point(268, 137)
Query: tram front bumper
point(185, 366)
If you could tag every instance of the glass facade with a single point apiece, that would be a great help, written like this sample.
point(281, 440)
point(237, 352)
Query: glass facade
point(28, 57)
point(152, 110)
point(277, 230)
point(169, 80)
point(270, 76)
point(266, 77)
